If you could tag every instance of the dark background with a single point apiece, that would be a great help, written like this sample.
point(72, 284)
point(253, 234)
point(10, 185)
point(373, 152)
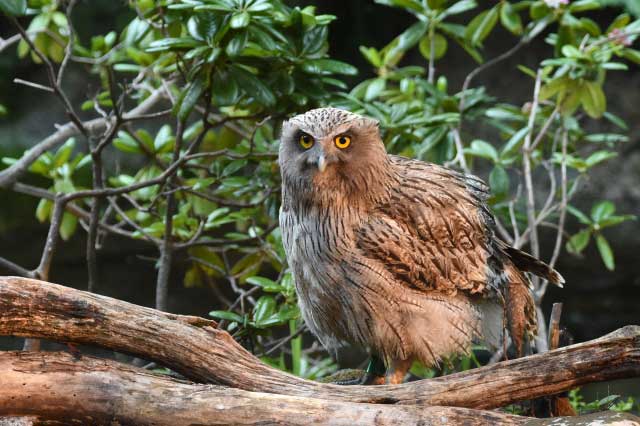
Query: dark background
point(595, 300)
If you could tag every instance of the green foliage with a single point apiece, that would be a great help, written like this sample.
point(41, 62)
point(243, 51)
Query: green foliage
point(230, 70)
point(602, 216)
point(610, 402)
point(13, 7)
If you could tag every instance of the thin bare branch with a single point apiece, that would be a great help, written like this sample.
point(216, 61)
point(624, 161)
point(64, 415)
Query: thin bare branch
point(166, 248)
point(34, 85)
point(15, 268)
point(527, 171)
point(11, 174)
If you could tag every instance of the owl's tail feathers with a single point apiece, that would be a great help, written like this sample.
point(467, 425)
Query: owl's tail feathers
point(526, 262)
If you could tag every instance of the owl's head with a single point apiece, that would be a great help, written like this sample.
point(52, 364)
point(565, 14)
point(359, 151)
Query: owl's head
point(330, 148)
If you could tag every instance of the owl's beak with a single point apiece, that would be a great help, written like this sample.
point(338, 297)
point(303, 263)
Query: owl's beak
point(322, 163)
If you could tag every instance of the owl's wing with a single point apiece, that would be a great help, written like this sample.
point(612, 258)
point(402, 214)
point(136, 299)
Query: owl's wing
point(435, 233)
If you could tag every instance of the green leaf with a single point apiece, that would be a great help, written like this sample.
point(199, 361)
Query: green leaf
point(514, 142)
point(615, 66)
point(226, 315)
point(237, 44)
point(224, 89)
point(482, 149)
point(554, 87)
point(480, 26)
point(602, 210)
point(459, 7)
point(605, 252)
point(510, 19)
point(253, 86)
point(68, 225)
point(240, 20)
point(172, 43)
point(328, 66)
point(412, 35)
point(590, 27)
point(265, 308)
point(539, 10)
point(371, 55)
point(615, 220)
point(579, 241)
point(13, 7)
point(632, 55)
point(164, 140)
point(406, 4)
point(579, 215)
point(188, 98)
point(599, 156)
point(593, 99)
point(499, 180)
point(126, 143)
point(621, 21)
point(314, 39)
point(64, 153)
point(584, 5)
point(375, 87)
point(439, 44)
point(614, 119)
point(571, 52)
point(606, 138)
point(267, 285)
point(43, 211)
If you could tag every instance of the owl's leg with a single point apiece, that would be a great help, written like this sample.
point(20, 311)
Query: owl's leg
point(375, 372)
point(397, 370)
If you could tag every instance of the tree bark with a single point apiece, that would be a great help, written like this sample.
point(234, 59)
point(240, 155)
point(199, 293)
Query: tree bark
point(59, 387)
point(195, 348)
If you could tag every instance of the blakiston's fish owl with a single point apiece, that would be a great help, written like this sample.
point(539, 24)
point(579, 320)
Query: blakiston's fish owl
point(395, 255)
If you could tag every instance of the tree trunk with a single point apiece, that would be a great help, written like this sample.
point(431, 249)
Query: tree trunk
point(195, 348)
point(59, 387)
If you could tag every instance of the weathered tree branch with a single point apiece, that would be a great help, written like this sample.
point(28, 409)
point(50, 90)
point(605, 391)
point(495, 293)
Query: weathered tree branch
point(199, 351)
point(96, 126)
point(57, 386)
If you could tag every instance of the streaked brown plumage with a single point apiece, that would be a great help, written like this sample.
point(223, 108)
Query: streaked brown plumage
point(395, 255)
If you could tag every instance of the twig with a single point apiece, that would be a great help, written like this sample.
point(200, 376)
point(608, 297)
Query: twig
point(526, 160)
point(554, 326)
point(166, 248)
point(545, 127)
point(459, 150)
point(68, 52)
point(563, 199)
point(432, 54)
point(7, 42)
point(34, 85)
point(283, 341)
point(53, 80)
point(15, 268)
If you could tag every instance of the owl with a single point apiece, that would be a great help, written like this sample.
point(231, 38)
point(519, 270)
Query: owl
point(395, 255)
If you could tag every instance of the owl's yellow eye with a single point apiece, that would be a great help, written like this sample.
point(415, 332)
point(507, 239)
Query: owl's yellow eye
point(342, 141)
point(306, 141)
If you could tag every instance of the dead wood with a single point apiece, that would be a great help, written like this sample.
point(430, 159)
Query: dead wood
point(58, 387)
point(199, 351)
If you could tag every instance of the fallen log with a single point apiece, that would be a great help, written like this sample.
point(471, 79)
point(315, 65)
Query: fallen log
point(201, 352)
point(59, 387)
